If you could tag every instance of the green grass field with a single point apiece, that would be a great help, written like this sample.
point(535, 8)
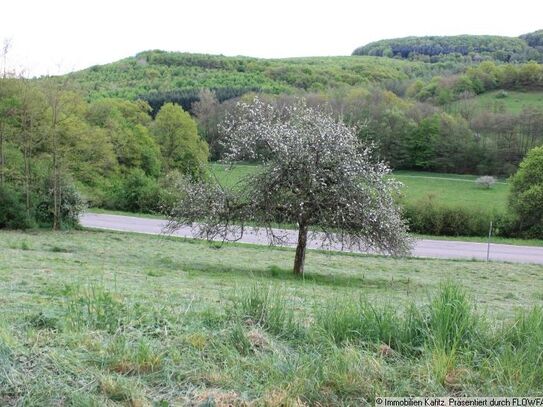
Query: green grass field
point(105, 318)
point(453, 190)
point(448, 189)
point(514, 102)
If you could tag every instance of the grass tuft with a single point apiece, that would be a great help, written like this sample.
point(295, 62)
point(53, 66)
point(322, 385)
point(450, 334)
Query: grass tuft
point(95, 308)
point(270, 308)
point(452, 321)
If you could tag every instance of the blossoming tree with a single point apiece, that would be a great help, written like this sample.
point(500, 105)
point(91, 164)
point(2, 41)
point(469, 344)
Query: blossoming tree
point(314, 173)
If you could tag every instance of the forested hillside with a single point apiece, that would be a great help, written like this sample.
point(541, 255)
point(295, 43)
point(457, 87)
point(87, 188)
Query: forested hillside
point(534, 39)
point(471, 48)
point(420, 114)
point(157, 76)
point(460, 48)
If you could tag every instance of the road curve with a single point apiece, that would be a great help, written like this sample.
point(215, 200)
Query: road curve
point(446, 249)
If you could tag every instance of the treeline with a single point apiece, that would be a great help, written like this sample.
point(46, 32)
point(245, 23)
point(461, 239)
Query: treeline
point(478, 79)
point(188, 97)
point(534, 39)
point(58, 152)
point(465, 48)
point(410, 134)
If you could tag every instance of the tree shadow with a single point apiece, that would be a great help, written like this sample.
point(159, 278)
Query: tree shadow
point(274, 272)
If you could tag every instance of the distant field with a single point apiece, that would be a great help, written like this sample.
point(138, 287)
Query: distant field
point(514, 102)
point(116, 319)
point(453, 190)
point(449, 189)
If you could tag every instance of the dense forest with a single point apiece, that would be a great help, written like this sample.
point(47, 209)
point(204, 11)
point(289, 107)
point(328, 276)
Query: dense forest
point(467, 48)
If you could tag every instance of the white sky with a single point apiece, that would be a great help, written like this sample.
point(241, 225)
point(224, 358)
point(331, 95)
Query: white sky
point(57, 36)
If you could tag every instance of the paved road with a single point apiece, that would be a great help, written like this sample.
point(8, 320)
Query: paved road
point(423, 248)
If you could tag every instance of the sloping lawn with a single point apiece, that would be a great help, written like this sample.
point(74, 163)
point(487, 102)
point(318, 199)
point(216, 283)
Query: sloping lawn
point(100, 318)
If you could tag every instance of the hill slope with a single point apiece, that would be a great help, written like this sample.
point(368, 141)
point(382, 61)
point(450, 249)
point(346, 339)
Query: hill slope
point(154, 73)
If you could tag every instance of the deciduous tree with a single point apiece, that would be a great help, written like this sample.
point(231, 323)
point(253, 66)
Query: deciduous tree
point(527, 194)
point(177, 135)
point(315, 173)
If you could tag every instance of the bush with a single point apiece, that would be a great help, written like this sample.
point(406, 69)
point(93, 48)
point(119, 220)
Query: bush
point(431, 218)
point(13, 214)
point(486, 181)
point(139, 193)
point(71, 206)
point(171, 190)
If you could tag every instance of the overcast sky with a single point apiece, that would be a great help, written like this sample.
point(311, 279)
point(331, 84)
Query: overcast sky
point(57, 36)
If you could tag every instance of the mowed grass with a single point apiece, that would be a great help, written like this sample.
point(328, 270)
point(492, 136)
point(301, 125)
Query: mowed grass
point(514, 102)
point(453, 190)
point(104, 318)
point(446, 189)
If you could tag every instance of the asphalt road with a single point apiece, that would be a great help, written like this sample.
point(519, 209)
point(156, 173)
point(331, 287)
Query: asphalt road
point(423, 248)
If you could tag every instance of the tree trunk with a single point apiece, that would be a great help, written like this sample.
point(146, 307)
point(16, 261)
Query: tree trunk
point(56, 184)
point(56, 194)
point(27, 158)
point(300, 249)
point(2, 164)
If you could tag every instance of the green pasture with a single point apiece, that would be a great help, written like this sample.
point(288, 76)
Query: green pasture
point(448, 189)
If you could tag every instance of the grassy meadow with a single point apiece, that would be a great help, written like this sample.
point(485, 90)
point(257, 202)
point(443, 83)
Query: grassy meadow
point(448, 189)
point(496, 101)
point(103, 318)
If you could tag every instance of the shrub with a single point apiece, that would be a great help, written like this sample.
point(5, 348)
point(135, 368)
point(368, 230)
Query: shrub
point(13, 214)
point(71, 206)
point(171, 190)
point(429, 217)
point(486, 181)
point(138, 193)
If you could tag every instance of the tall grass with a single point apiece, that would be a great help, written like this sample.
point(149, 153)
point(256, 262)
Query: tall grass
point(446, 323)
point(268, 307)
point(94, 307)
point(518, 359)
point(447, 334)
point(452, 322)
point(356, 319)
point(273, 348)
